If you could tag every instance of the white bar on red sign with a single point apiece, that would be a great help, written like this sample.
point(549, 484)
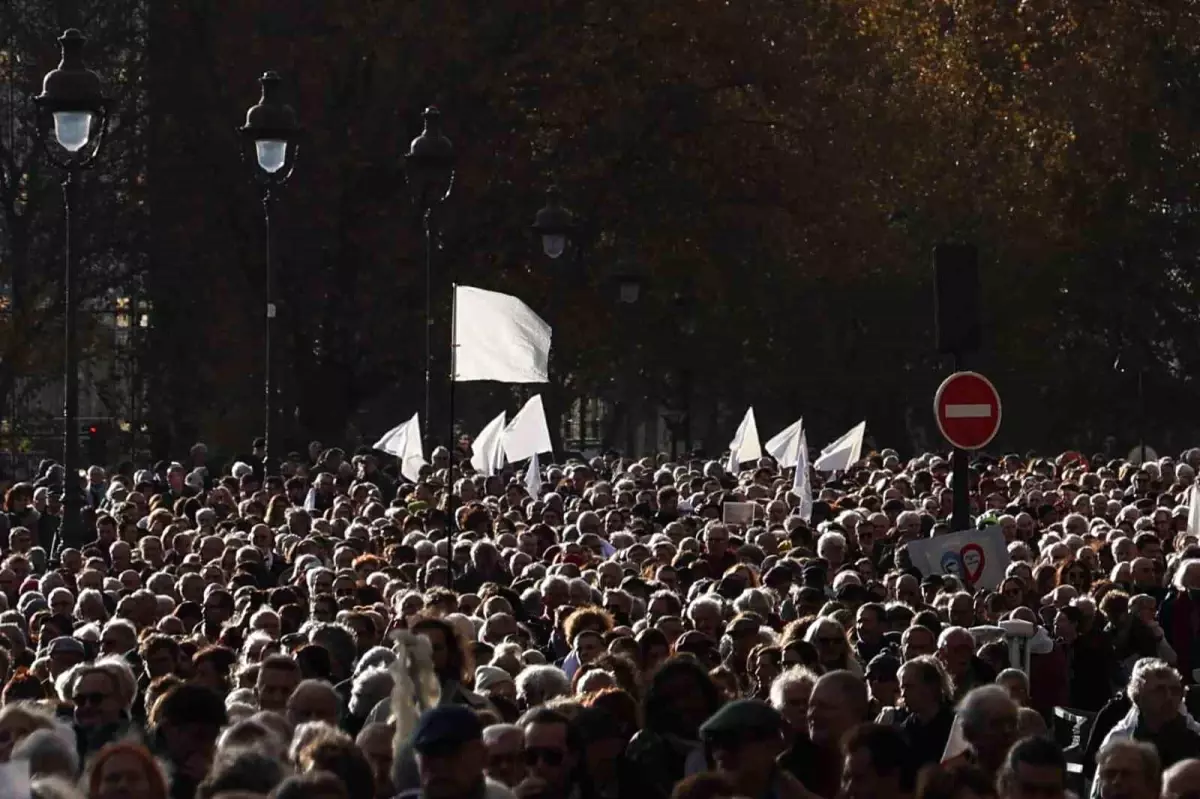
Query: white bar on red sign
point(968, 411)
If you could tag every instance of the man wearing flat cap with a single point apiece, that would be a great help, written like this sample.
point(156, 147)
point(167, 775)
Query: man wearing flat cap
point(450, 754)
point(742, 741)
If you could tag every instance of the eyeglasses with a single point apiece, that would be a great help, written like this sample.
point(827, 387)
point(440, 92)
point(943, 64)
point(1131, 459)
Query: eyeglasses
point(551, 757)
point(832, 639)
point(89, 699)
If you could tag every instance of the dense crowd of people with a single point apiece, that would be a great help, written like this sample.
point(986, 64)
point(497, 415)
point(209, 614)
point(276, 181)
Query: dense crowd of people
point(324, 628)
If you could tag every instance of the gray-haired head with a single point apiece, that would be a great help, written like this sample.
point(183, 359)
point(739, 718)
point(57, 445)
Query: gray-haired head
point(373, 658)
point(537, 685)
point(370, 687)
point(980, 706)
point(1144, 754)
point(796, 675)
point(1148, 669)
point(49, 752)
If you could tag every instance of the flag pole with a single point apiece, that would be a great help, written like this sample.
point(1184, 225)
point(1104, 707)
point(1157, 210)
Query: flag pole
point(451, 444)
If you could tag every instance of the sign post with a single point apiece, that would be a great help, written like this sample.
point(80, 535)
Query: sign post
point(967, 409)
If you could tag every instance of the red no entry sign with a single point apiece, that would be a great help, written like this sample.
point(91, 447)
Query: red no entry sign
point(967, 408)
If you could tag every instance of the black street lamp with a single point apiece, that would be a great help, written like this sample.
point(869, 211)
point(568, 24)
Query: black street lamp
point(429, 166)
point(73, 103)
point(627, 283)
point(629, 289)
point(271, 126)
point(554, 224)
point(686, 318)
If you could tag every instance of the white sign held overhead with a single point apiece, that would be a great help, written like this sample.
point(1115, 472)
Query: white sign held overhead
point(977, 557)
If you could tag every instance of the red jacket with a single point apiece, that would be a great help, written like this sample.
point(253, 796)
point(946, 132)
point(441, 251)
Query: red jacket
point(1049, 681)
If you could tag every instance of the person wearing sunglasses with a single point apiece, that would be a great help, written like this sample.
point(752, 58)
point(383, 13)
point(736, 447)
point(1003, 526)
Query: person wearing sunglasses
point(550, 757)
point(99, 715)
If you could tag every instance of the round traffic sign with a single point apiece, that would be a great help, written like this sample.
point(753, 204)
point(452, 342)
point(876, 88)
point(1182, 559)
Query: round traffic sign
point(967, 408)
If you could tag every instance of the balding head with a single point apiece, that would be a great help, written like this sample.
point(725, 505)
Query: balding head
point(1182, 780)
point(313, 700)
point(989, 723)
point(838, 703)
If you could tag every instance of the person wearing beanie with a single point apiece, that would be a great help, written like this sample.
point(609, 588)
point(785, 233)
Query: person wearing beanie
point(493, 681)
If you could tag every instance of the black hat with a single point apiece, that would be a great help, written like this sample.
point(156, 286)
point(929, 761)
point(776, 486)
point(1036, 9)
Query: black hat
point(853, 593)
point(446, 727)
point(743, 718)
point(883, 666)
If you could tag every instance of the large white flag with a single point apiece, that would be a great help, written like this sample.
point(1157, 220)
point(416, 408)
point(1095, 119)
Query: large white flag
point(843, 453)
point(404, 441)
point(785, 447)
point(533, 477)
point(745, 446)
point(488, 448)
point(801, 485)
point(498, 337)
point(527, 434)
point(1193, 527)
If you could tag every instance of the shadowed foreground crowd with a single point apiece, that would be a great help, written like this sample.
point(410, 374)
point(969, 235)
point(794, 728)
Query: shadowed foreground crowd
point(332, 631)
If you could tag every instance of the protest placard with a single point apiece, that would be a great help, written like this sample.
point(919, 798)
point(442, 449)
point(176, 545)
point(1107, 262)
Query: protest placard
point(739, 513)
point(977, 557)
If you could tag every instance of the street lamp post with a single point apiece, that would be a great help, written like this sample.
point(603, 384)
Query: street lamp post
point(429, 166)
point(684, 309)
point(73, 104)
point(629, 291)
point(554, 224)
point(271, 126)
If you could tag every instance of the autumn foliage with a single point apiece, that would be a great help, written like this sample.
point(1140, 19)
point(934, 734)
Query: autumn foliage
point(777, 172)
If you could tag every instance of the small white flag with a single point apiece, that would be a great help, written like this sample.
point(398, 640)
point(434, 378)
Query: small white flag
point(488, 447)
point(785, 447)
point(404, 441)
point(1193, 527)
point(843, 453)
point(533, 477)
point(801, 485)
point(527, 434)
point(745, 446)
point(498, 337)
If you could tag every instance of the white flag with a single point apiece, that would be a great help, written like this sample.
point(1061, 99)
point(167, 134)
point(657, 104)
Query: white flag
point(404, 441)
point(533, 477)
point(785, 447)
point(843, 453)
point(801, 485)
point(1193, 527)
point(488, 447)
point(745, 446)
point(527, 434)
point(498, 337)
